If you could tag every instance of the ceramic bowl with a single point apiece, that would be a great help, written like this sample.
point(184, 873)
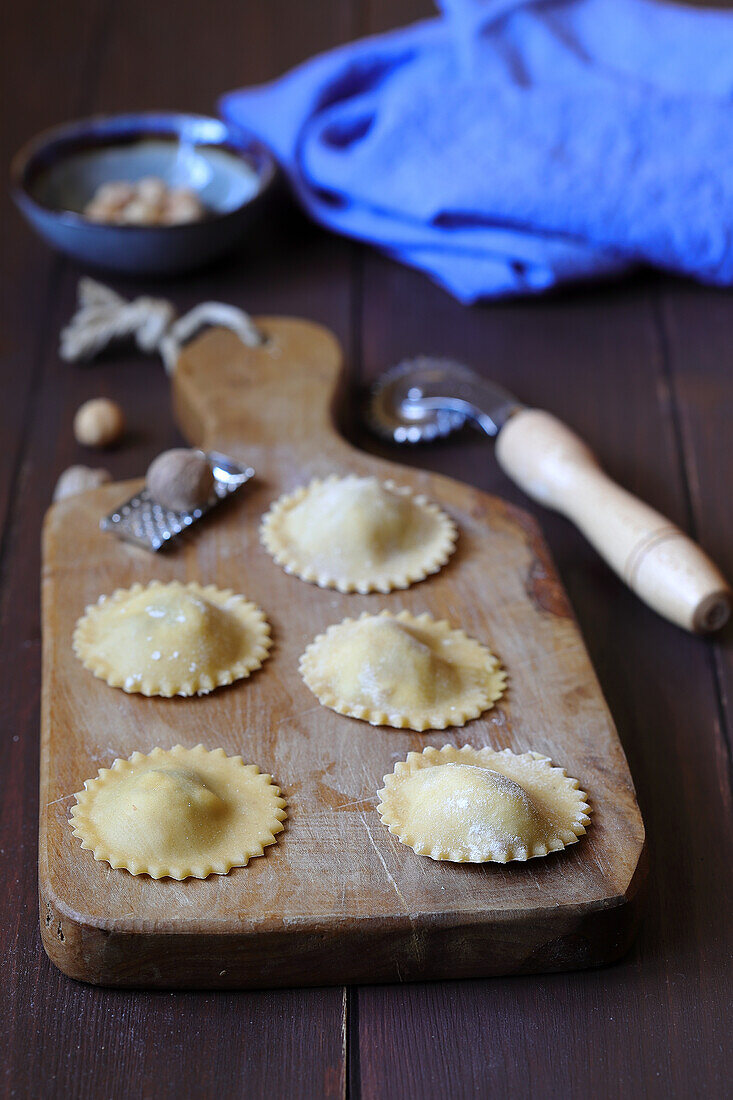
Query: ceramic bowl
point(58, 172)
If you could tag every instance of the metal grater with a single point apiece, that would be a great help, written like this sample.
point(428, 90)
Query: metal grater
point(146, 523)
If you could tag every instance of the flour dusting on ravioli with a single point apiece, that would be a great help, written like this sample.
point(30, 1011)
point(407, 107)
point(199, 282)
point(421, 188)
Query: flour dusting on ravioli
point(172, 639)
point(178, 813)
point(478, 805)
point(402, 670)
point(358, 534)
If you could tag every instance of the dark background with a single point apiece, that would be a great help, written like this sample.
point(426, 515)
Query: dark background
point(642, 369)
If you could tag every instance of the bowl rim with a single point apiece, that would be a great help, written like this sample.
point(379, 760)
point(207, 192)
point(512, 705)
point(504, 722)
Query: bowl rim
point(241, 141)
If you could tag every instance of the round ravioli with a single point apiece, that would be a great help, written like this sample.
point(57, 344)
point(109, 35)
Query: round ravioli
point(358, 534)
point(402, 670)
point(479, 805)
point(172, 639)
point(178, 813)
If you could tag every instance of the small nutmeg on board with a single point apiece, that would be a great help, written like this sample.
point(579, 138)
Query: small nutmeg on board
point(180, 480)
point(76, 479)
point(99, 423)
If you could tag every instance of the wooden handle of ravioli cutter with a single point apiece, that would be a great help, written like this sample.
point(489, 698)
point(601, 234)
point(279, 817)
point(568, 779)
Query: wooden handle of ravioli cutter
point(654, 558)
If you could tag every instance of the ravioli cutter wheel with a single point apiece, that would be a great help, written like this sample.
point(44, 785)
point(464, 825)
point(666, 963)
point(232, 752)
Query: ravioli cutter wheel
point(426, 398)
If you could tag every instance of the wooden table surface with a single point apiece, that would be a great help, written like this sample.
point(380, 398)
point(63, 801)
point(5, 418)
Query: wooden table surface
point(642, 369)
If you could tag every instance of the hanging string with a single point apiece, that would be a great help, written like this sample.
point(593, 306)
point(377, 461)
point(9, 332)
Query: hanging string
point(103, 316)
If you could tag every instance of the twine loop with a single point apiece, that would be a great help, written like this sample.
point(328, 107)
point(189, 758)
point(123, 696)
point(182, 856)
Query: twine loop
point(103, 316)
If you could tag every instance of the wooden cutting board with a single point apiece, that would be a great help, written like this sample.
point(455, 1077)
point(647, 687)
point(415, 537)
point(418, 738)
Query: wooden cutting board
point(338, 899)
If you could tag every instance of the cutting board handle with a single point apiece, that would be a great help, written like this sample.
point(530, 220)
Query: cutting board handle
point(652, 556)
point(277, 395)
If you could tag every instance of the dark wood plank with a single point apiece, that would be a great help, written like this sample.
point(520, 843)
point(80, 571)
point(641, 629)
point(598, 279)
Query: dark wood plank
point(699, 360)
point(65, 38)
point(89, 1042)
point(600, 359)
point(594, 358)
point(655, 1023)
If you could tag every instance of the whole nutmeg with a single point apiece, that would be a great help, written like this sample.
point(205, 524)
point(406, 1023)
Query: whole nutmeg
point(181, 480)
point(99, 422)
point(77, 479)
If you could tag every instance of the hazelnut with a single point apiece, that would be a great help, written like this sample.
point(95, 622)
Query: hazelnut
point(182, 205)
point(99, 422)
point(151, 190)
point(139, 212)
point(76, 479)
point(181, 480)
point(114, 194)
point(148, 202)
point(99, 211)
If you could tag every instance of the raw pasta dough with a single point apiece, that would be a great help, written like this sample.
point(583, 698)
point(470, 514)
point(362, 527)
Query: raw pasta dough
point(402, 670)
point(178, 813)
point(478, 805)
point(358, 534)
point(172, 639)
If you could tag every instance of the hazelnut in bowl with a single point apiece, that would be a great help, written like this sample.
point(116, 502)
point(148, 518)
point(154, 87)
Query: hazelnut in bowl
point(147, 194)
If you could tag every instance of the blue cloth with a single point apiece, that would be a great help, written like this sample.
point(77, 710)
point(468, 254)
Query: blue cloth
point(510, 146)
